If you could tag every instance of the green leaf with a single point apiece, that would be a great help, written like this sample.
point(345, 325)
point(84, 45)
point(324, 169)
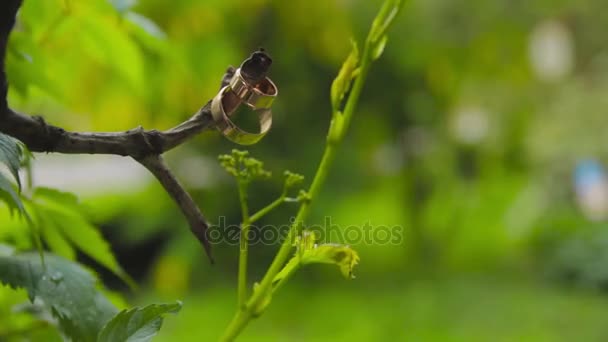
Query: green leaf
point(342, 82)
point(51, 233)
point(10, 196)
point(65, 213)
point(10, 155)
point(343, 256)
point(137, 324)
point(64, 287)
point(308, 252)
point(379, 48)
point(65, 198)
point(11, 152)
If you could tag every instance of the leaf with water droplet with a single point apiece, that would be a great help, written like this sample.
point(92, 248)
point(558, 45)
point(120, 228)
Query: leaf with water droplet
point(57, 276)
point(65, 288)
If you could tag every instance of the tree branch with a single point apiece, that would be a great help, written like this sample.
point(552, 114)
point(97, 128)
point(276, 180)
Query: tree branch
point(198, 225)
point(145, 146)
point(39, 136)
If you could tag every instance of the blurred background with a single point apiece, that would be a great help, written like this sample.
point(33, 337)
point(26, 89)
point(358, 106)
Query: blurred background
point(480, 133)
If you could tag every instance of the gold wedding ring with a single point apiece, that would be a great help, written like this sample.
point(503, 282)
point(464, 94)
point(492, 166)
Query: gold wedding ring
point(258, 97)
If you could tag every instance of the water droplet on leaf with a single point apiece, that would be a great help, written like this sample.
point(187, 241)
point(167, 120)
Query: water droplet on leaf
point(57, 277)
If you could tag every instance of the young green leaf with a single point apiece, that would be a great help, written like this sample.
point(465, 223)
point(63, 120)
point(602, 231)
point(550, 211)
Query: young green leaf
point(379, 48)
point(66, 289)
point(384, 19)
point(137, 324)
point(308, 252)
point(342, 82)
point(343, 256)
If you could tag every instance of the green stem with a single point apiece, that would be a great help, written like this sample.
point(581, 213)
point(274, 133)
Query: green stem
point(244, 246)
point(262, 212)
point(238, 323)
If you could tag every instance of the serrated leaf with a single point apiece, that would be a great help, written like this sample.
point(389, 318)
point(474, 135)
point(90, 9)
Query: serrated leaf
point(138, 324)
point(10, 196)
point(52, 235)
point(64, 212)
point(65, 288)
point(341, 84)
point(10, 155)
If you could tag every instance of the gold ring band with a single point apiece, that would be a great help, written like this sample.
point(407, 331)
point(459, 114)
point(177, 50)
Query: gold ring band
point(258, 96)
point(224, 104)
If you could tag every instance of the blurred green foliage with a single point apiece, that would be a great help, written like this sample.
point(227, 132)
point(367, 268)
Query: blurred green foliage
point(469, 135)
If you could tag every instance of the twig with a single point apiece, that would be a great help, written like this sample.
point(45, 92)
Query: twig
point(198, 225)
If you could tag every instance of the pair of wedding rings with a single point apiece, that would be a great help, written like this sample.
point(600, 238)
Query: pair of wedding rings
point(258, 97)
